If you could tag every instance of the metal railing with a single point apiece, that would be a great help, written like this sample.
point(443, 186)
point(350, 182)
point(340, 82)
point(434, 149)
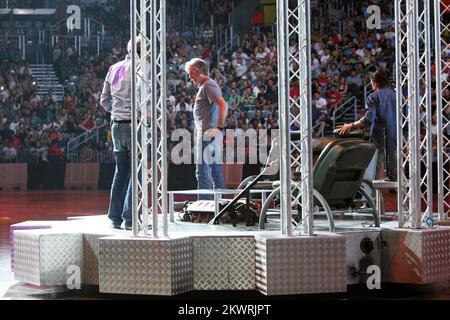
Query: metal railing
point(21, 157)
point(231, 42)
point(89, 27)
point(27, 156)
point(367, 90)
point(349, 105)
point(317, 129)
point(90, 135)
point(90, 156)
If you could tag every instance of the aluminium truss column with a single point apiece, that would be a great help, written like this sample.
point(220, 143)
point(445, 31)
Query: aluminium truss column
point(149, 117)
point(443, 123)
point(293, 25)
point(413, 73)
point(159, 156)
point(425, 107)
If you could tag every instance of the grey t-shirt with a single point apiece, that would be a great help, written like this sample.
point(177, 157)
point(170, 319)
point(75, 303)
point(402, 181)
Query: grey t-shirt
point(205, 105)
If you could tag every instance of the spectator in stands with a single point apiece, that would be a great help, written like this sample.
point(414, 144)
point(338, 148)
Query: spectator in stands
point(323, 80)
point(257, 19)
point(334, 98)
point(342, 51)
point(342, 87)
point(55, 153)
point(39, 151)
point(233, 101)
point(116, 98)
point(9, 152)
point(354, 82)
point(318, 121)
point(320, 103)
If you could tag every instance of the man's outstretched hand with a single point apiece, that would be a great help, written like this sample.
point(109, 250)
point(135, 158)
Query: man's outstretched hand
point(345, 128)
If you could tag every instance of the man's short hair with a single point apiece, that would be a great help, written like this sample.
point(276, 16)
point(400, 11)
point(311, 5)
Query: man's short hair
point(380, 78)
point(138, 44)
point(197, 64)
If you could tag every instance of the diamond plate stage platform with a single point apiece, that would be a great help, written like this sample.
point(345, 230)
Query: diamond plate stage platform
point(220, 257)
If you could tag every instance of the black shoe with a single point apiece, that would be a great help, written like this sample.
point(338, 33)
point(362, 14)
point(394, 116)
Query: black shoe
point(117, 225)
point(128, 226)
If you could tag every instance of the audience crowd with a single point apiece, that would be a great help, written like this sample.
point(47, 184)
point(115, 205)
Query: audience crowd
point(343, 54)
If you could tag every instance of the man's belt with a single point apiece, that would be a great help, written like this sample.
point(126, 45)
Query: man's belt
point(121, 121)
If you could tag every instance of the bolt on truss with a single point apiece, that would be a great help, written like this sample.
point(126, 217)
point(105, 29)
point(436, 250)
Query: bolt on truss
point(149, 156)
point(414, 145)
point(293, 18)
point(442, 103)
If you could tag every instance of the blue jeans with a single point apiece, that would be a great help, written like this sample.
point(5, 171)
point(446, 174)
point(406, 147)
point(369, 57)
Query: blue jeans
point(209, 173)
point(121, 197)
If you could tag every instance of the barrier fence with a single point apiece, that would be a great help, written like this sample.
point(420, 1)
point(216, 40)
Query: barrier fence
point(98, 176)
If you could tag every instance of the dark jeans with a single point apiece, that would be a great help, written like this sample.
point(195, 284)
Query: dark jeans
point(121, 198)
point(387, 158)
point(209, 173)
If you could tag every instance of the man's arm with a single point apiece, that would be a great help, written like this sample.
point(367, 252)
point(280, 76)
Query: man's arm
point(223, 110)
point(214, 95)
point(105, 98)
point(365, 120)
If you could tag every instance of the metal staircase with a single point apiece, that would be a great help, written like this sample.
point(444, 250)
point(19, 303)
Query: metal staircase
point(46, 79)
point(347, 112)
point(93, 134)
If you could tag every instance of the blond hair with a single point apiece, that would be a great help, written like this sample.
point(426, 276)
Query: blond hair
point(197, 64)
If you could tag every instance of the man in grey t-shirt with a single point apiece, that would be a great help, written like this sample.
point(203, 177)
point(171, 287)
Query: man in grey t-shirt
point(210, 112)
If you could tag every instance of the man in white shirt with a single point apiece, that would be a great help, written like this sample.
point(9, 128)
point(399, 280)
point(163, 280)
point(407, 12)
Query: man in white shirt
point(9, 152)
point(171, 99)
point(4, 92)
point(390, 33)
point(360, 52)
point(15, 125)
point(240, 65)
point(188, 106)
point(321, 103)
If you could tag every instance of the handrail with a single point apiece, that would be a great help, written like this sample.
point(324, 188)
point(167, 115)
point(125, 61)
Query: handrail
point(350, 104)
point(60, 26)
point(228, 46)
point(90, 156)
point(322, 132)
point(23, 156)
point(367, 90)
point(368, 67)
point(85, 137)
point(26, 156)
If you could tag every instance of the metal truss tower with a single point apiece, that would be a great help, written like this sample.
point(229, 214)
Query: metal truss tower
point(414, 113)
point(149, 152)
point(293, 19)
point(442, 103)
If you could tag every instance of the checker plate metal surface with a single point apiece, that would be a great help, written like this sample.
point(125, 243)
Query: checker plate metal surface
point(436, 255)
point(297, 265)
point(58, 252)
point(26, 257)
point(91, 256)
point(224, 263)
point(43, 257)
point(27, 225)
point(358, 260)
point(145, 266)
point(416, 256)
point(445, 222)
